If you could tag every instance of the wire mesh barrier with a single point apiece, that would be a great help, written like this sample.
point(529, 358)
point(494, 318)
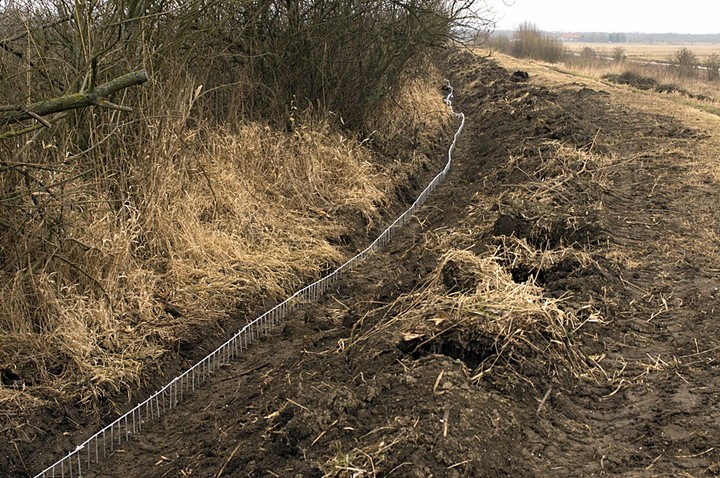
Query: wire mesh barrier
point(104, 442)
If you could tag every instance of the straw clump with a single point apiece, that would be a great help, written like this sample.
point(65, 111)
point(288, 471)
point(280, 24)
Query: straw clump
point(472, 309)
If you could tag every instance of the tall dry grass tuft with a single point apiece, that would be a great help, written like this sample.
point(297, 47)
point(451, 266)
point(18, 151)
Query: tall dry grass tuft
point(471, 308)
point(406, 128)
point(413, 114)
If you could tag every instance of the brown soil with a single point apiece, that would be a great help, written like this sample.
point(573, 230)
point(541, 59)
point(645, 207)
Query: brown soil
point(601, 197)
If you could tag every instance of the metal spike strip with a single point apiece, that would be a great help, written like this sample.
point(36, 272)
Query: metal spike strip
point(103, 443)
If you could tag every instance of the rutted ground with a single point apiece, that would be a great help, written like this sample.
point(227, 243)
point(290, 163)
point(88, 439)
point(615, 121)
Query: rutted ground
point(550, 313)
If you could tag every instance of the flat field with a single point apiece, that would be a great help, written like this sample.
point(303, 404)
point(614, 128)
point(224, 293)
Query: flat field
point(648, 51)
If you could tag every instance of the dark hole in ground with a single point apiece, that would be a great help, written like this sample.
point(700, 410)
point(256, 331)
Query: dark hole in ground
point(586, 230)
point(9, 377)
point(523, 273)
point(472, 350)
point(567, 267)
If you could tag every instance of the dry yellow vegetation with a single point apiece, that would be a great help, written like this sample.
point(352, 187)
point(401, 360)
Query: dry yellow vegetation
point(218, 220)
point(697, 86)
point(647, 51)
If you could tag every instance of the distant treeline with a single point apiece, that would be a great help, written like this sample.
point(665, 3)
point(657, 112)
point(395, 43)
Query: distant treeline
point(615, 37)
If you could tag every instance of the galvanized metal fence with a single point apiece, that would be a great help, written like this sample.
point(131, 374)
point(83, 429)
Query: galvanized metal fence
point(104, 442)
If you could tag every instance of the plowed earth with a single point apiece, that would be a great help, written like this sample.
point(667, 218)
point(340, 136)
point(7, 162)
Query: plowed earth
point(597, 195)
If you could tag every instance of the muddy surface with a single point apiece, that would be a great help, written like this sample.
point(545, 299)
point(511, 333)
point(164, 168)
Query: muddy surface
point(603, 210)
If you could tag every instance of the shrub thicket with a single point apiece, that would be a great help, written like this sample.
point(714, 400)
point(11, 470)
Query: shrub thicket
point(712, 64)
point(529, 42)
point(643, 82)
point(251, 57)
point(618, 54)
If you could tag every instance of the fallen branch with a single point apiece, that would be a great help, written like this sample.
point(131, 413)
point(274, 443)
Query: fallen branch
point(96, 96)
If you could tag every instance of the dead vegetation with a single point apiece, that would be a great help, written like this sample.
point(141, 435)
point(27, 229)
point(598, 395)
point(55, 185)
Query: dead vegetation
point(239, 170)
point(473, 310)
point(128, 279)
point(557, 198)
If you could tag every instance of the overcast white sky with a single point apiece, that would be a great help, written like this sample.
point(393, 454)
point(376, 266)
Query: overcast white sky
point(646, 16)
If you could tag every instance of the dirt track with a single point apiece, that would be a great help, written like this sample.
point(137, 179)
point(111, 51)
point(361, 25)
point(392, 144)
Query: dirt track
point(612, 200)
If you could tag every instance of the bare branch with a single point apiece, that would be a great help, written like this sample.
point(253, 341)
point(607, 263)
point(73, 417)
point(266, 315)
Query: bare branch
point(6, 42)
point(96, 96)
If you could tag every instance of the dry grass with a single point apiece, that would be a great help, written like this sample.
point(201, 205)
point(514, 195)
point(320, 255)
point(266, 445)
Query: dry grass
point(476, 299)
point(639, 60)
point(706, 93)
point(560, 195)
point(214, 218)
point(408, 123)
point(669, 78)
point(647, 51)
point(242, 214)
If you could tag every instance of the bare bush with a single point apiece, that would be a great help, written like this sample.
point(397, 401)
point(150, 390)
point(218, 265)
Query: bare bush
point(686, 61)
point(712, 63)
point(588, 53)
point(501, 42)
point(343, 56)
point(618, 54)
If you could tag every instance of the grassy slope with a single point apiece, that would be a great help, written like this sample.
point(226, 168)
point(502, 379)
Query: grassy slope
point(219, 219)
